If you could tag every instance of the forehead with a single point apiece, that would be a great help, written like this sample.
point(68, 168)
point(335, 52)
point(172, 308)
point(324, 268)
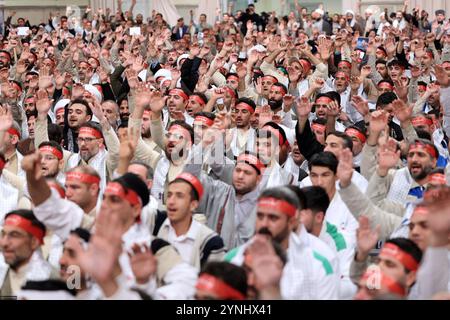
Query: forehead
point(77, 106)
point(180, 187)
point(418, 218)
point(138, 169)
point(244, 167)
point(8, 229)
point(320, 170)
point(333, 139)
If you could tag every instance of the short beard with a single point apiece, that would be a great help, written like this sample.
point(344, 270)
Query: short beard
point(85, 157)
point(275, 104)
point(422, 174)
point(244, 191)
point(17, 263)
point(146, 134)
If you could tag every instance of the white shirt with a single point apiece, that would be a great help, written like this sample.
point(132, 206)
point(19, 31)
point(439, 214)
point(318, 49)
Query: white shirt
point(339, 215)
point(185, 242)
point(357, 179)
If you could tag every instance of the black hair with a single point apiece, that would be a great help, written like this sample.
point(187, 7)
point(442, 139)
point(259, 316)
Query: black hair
point(347, 142)
point(407, 246)
point(300, 195)
point(82, 233)
point(229, 273)
point(194, 193)
point(93, 125)
point(429, 143)
point(276, 127)
point(321, 121)
point(133, 182)
point(386, 81)
point(280, 85)
point(248, 101)
point(382, 61)
point(183, 124)
point(28, 215)
point(123, 125)
point(55, 132)
point(385, 99)
point(324, 159)
point(422, 134)
point(208, 115)
point(316, 199)
point(150, 171)
point(333, 95)
point(84, 103)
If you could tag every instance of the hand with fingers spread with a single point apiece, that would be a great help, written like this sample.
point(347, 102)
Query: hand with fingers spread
point(388, 156)
point(77, 91)
point(266, 115)
point(43, 104)
point(138, 64)
point(258, 86)
point(366, 237)
point(345, 168)
point(333, 110)
point(288, 101)
point(157, 103)
point(6, 119)
point(143, 263)
point(402, 111)
point(142, 96)
point(378, 121)
point(132, 78)
point(361, 105)
point(60, 79)
point(45, 79)
point(365, 71)
point(317, 84)
point(303, 107)
point(266, 266)
point(438, 219)
point(441, 76)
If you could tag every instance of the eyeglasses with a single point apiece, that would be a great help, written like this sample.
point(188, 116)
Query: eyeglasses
point(86, 140)
point(176, 136)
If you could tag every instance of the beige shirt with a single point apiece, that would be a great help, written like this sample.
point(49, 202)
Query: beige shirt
point(17, 279)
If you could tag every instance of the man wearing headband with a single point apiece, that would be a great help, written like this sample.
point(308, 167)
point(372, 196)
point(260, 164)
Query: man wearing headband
point(243, 136)
point(276, 93)
point(399, 259)
point(277, 215)
point(21, 237)
point(195, 242)
point(202, 121)
point(398, 187)
point(272, 147)
point(5, 59)
point(176, 102)
point(359, 138)
point(52, 160)
point(221, 281)
point(197, 102)
point(8, 147)
point(232, 80)
point(385, 86)
point(111, 112)
point(395, 69)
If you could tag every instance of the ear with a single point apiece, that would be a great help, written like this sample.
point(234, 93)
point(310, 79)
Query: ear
point(149, 183)
point(193, 205)
point(61, 164)
point(410, 278)
point(101, 142)
point(94, 189)
point(34, 243)
point(319, 218)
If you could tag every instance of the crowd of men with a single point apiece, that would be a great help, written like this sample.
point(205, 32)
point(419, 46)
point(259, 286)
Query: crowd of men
point(262, 157)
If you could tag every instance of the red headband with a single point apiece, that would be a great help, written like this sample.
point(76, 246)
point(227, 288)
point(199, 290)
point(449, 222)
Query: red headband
point(385, 85)
point(306, 65)
point(252, 161)
point(348, 63)
point(430, 54)
point(419, 121)
point(277, 205)
point(198, 99)
point(6, 55)
point(422, 86)
point(2, 164)
point(193, 181)
point(245, 106)
point(207, 121)
point(324, 100)
point(58, 188)
point(90, 132)
point(269, 78)
point(180, 93)
point(230, 91)
point(116, 189)
point(280, 137)
point(60, 110)
point(18, 88)
point(185, 133)
point(421, 210)
point(14, 131)
point(437, 178)
point(342, 74)
point(318, 127)
point(214, 285)
point(82, 177)
point(355, 133)
point(426, 147)
point(386, 282)
point(393, 251)
point(232, 77)
point(52, 150)
point(277, 86)
point(26, 225)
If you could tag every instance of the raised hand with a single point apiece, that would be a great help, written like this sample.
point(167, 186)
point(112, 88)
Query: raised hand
point(303, 107)
point(32, 164)
point(266, 115)
point(366, 238)
point(138, 64)
point(6, 118)
point(132, 78)
point(142, 96)
point(288, 101)
point(128, 146)
point(45, 79)
point(378, 121)
point(361, 105)
point(365, 71)
point(345, 168)
point(158, 101)
point(43, 103)
point(333, 109)
point(143, 263)
point(441, 76)
point(388, 156)
point(402, 111)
